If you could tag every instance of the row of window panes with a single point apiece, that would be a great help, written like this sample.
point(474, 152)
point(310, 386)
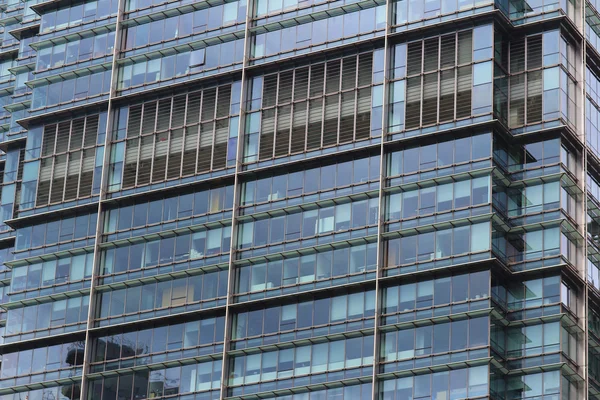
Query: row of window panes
point(62, 392)
point(316, 80)
point(434, 339)
point(342, 217)
point(303, 315)
point(172, 112)
point(42, 359)
point(439, 155)
point(319, 179)
point(543, 385)
point(149, 384)
point(199, 291)
point(199, 21)
point(593, 187)
point(455, 384)
point(533, 293)
point(65, 136)
point(417, 11)
point(592, 84)
point(436, 199)
point(324, 120)
point(166, 250)
point(318, 33)
point(52, 272)
point(180, 152)
point(5, 74)
point(70, 90)
point(209, 201)
point(159, 340)
point(195, 148)
point(59, 231)
point(74, 15)
point(437, 292)
point(312, 359)
point(307, 268)
point(433, 245)
point(592, 114)
point(536, 339)
point(532, 155)
point(212, 58)
point(532, 245)
point(539, 95)
point(75, 51)
point(334, 120)
point(46, 318)
point(535, 199)
point(66, 177)
point(275, 8)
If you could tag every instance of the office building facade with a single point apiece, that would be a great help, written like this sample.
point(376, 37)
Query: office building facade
point(300, 199)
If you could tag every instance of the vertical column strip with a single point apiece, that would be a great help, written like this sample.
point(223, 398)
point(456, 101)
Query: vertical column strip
point(88, 351)
point(236, 196)
point(381, 207)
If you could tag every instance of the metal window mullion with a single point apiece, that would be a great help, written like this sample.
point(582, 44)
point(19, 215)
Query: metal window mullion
point(382, 173)
point(306, 118)
point(183, 134)
point(455, 76)
point(67, 157)
point(169, 133)
point(214, 129)
point(355, 118)
point(152, 157)
point(275, 116)
point(525, 69)
point(439, 82)
point(339, 117)
point(422, 85)
point(99, 219)
point(53, 158)
point(324, 100)
point(290, 129)
point(80, 173)
point(235, 210)
point(85, 122)
point(199, 130)
point(274, 133)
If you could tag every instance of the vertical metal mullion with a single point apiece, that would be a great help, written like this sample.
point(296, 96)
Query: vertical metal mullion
point(214, 128)
point(382, 173)
point(275, 116)
point(291, 128)
point(169, 132)
point(356, 83)
point(340, 96)
point(99, 218)
point(525, 91)
point(67, 154)
point(235, 210)
point(199, 129)
point(324, 97)
point(80, 173)
point(85, 120)
point(139, 139)
point(422, 85)
point(307, 116)
point(184, 134)
point(53, 156)
point(439, 77)
point(153, 157)
point(455, 111)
